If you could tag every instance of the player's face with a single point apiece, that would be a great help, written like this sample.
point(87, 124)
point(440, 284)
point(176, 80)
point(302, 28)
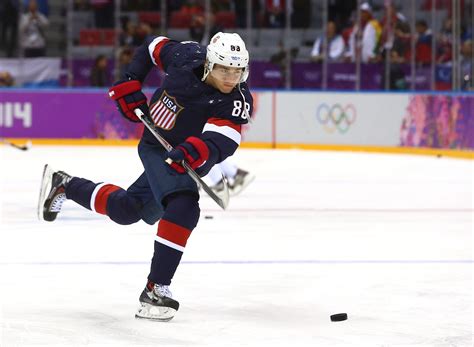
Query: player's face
point(224, 78)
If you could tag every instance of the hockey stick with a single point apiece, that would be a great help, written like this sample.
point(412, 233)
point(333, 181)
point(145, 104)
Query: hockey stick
point(223, 201)
point(24, 147)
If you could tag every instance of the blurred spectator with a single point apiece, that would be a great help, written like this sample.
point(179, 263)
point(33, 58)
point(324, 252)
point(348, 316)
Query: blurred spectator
point(275, 13)
point(175, 5)
point(466, 65)
point(396, 41)
point(9, 25)
point(142, 32)
point(192, 7)
point(241, 12)
point(336, 45)
point(125, 58)
point(6, 79)
point(301, 15)
point(103, 13)
point(99, 76)
point(32, 25)
point(214, 28)
point(128, 36)
point(197, 31)
point(133, 35)
point(81, 5)
point(340, 11)
point(423, 43)
point(197, 28)
point(43, 6)
point(397, 77)
point(395, 36)
point(220, 5)
point(281, 57)
point(467, 25)
point(445, 42)
point(364, 37)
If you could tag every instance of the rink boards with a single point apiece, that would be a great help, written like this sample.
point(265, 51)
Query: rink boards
point(407, 122)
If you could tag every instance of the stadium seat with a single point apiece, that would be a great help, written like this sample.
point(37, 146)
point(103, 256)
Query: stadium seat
point(108, 36)
point(180, 20)
point(296, 37)
point(152, 18)
point(226, 19)
point(81, 20)
point(270, 37)
point(310, 35)
point(90, 37)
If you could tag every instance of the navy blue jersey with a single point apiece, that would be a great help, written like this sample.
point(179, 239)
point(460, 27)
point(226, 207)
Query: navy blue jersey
point(185, 106)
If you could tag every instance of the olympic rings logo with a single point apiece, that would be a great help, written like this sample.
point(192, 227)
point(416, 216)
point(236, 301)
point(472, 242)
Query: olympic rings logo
point(336, 117)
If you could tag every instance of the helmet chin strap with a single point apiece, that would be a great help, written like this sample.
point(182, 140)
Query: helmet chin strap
point(246, 113)
point(207, 71)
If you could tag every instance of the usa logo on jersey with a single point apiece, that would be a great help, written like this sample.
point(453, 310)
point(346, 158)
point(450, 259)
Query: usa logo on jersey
point(165, 111)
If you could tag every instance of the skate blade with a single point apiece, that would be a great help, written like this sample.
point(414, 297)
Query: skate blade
point(154, 319)
point(46, 182)
point(154, 313)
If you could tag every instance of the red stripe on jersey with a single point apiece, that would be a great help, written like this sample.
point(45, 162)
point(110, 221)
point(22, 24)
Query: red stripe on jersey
point(156, 52)
point(100, 203)
point(173, 232)
point(224, 123)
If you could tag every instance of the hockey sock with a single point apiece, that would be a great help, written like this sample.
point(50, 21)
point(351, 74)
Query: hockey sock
point(80, 190)
point(180, 218)
point(105, 199)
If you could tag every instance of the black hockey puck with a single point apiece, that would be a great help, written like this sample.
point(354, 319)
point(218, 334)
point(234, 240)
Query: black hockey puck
point(208, 217)
point(338, 317)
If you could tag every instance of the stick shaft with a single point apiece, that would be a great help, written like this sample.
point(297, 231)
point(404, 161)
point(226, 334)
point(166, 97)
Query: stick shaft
point(222, 202)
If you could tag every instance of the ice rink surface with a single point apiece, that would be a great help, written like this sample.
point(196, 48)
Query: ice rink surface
point(386, 238)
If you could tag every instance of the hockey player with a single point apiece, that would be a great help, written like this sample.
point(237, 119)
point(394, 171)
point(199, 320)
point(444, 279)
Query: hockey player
point(199, 110)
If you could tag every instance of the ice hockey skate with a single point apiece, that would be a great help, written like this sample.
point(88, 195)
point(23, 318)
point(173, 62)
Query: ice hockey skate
point(218, 188)
point(156, 303)
point(241, 180)
point(52, 193)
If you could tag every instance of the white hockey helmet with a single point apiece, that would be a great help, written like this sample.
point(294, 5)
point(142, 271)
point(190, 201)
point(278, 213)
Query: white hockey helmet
point(227, 50)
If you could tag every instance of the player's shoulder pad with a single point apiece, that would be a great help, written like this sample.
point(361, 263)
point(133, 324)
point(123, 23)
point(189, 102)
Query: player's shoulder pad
point(233, 107)
point(185, 54)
